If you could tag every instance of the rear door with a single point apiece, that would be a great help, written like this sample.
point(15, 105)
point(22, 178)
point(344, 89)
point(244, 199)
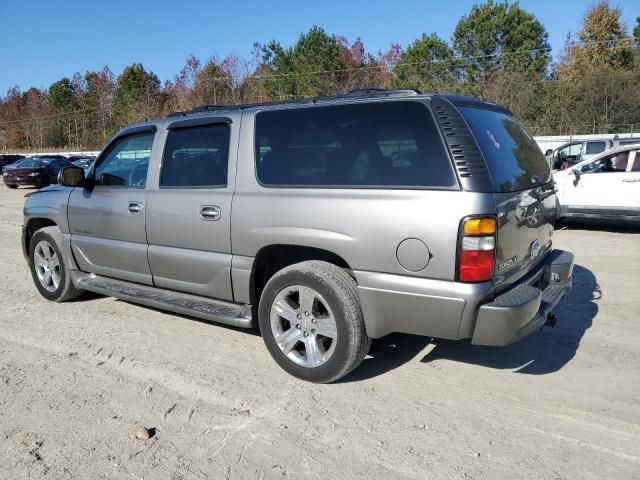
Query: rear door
point(523, 191)
point(189, 209)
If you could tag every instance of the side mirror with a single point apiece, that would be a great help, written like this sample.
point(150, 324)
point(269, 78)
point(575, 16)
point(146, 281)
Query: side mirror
point(576, 172)
point(71, 177)
point(548, 152)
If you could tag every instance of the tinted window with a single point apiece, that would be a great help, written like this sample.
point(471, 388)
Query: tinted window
point(636, 162)
point(389, 144)
point(596, 147)
point(125, 163)
point(514, 159)
point(196, 157)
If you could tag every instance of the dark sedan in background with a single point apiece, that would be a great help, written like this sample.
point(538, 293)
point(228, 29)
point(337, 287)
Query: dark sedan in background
point(35, 171)
point(9, 159)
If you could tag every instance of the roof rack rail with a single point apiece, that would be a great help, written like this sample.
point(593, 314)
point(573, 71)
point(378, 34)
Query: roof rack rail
point(384, 91)
point(361, 92)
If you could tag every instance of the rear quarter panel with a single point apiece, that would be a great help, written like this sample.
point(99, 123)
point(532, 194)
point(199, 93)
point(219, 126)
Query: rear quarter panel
point(363, 226)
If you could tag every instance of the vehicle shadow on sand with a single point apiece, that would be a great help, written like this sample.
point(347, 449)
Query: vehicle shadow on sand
point(544, 352)
point(541, 353)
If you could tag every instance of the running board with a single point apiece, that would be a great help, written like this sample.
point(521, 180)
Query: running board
point(228, 313)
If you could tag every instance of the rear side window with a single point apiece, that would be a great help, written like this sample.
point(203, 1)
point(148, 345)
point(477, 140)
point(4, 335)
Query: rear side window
point(196, 157)
point(595, 147)
point(386, 145)
point(514, 159)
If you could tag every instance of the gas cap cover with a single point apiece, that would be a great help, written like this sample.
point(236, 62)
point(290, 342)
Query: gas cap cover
point(413, 254)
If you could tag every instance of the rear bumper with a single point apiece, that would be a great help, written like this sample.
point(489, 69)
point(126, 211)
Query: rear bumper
point(523, 309)
point(454, 310)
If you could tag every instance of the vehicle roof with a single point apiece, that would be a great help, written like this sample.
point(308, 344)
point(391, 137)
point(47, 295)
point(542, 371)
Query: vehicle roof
point(355, 96)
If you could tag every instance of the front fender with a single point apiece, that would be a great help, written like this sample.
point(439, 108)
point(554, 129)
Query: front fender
point(49, 203)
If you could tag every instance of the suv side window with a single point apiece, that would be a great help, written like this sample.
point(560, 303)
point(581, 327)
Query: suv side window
point(595, 147)
point(196, 157)
point(125, 164)
point(367, 145)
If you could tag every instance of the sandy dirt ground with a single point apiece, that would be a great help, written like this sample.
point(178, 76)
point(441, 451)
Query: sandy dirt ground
point(76, 380)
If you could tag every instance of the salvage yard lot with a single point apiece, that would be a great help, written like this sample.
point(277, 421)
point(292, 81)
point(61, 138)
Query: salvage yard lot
point(76, 380)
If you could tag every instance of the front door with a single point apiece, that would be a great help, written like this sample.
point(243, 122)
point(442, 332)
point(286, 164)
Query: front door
point(603, 187)
point(189, 211)
point(107, 220)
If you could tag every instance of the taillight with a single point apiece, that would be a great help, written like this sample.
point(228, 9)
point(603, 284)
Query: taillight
point(477, 249)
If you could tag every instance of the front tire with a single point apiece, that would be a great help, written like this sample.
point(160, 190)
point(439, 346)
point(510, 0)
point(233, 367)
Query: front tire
point(312, 323)
point(50, 274)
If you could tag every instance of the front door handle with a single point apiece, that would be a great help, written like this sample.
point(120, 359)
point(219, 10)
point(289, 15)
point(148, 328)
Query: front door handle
point(630, 180)
point(209, 212)
point(135, 208)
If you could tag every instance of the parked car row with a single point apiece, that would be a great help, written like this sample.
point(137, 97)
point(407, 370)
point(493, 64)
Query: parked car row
point(40, 170)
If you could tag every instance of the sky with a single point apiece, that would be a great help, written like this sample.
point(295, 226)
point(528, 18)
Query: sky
point(42, 41)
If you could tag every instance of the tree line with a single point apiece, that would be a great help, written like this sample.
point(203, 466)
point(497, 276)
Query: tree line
point(498, 52)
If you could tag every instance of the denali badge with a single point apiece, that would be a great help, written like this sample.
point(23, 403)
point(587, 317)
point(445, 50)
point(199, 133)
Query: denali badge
point(534, 249)
point(508, 263)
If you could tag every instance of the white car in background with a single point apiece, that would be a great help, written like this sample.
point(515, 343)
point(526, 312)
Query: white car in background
point(604, 186)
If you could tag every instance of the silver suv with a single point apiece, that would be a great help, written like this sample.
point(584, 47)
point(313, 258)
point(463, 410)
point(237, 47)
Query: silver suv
point(326, 222)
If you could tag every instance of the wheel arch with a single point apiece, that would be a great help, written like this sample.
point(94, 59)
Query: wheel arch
point(272, 258)
point(31, 227)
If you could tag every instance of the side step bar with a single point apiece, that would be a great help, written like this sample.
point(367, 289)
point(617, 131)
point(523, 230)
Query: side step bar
point(228, 313)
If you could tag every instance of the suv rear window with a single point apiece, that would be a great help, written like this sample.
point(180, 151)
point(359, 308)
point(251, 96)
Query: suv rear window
point(514, 159)
point(386, 145)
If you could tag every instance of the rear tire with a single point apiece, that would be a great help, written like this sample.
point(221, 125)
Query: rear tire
point(312, 323)
point(48, 270)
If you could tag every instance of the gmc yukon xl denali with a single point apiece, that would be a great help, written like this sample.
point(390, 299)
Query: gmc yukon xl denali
point(325, 222)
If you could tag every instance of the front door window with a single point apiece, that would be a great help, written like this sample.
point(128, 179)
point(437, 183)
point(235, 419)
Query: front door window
point(126, 162)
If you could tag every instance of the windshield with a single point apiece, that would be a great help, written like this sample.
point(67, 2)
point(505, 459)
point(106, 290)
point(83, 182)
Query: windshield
point(33, 163)
point(514, 159)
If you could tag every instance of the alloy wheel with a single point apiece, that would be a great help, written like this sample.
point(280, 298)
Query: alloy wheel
point(303, 326)
point(47, 266)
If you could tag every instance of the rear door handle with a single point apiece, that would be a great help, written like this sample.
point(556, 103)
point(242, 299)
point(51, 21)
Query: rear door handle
point(630, 180)
point(135, 208)
point(209, 212)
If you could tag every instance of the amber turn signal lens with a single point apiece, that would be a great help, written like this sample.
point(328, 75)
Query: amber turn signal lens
point(480, 226)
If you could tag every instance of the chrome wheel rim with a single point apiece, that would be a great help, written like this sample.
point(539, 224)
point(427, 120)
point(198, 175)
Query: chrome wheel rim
point(535, 215)
point(47, 266)
point(303, 326)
